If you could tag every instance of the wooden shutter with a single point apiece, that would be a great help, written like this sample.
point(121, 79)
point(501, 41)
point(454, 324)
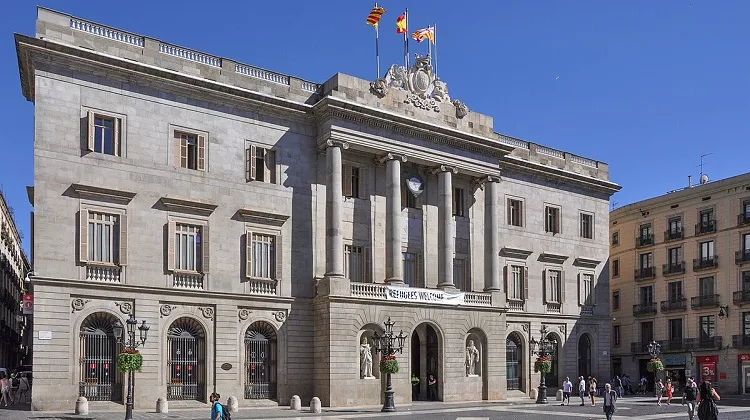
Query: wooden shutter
point(83, 235)
point(367, 277)
point(171, 228)
point(117, 122)
point(91, 131)
point(270, 161)
point(509, 210)
point(593, 289)
point(562, 286)
point(505, 281)
point(123, 251)
point(278, 260)
point(201, 153)
point(525, 283)
point(545, 286)
point(346, 174)
point(250, 164)
point(205, 249)
point(248, 253)
point(581, 294)
point(176, 150)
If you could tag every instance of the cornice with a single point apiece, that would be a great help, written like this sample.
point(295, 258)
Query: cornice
point(517, 253)
point(552, 258)
point(100, 193)
point(188, 205)
point(263, 218)
point(586, 262)
point(538, 169)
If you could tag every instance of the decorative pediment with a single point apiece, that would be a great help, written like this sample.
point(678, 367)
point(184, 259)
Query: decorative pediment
point(552, 258)
point(515, 253)
point(262, 218)
point(102, 194)
point(586, 262)
point(188, 205)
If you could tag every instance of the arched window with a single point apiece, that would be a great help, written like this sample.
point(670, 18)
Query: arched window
point(260, 361)
point(186, 350)
point(99, 378)
point(514, 361)
point(584, 356)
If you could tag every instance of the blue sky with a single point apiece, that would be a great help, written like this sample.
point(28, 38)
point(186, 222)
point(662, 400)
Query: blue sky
point(646, 86)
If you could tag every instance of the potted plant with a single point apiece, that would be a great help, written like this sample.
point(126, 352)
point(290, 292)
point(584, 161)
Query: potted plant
point(129, 360)
point(389, 364)
point(655, 365)
point(543, 364)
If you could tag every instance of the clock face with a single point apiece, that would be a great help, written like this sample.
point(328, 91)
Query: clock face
point(415, 184)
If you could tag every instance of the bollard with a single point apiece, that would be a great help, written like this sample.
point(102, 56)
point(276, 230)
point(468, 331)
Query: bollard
point(233, 404)
point(559, 395)
point(296, 403)
point(533, 393)
point(162, 406)
point(315, 405)
point(82, 406)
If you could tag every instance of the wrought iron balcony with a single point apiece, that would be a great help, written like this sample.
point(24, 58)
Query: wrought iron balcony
point(705, 263)
point(644, 308)
point(703, 228)
point(674, 268)
point(743, 296)
point(703, 343)
point(645, 273)
point(639, 347)
point(741, 341)
point(674, 305)
point(705, 301)
point(742, 256)
point(674, 345)
point(673, 235)
point(644, 240)
point(743, 219)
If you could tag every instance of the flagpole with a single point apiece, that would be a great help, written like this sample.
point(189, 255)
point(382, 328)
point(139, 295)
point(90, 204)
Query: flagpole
point(377, 50)
point(406, 38)
point(434, 34)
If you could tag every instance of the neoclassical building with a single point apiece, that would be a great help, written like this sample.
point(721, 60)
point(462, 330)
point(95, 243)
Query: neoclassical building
point(264, 225)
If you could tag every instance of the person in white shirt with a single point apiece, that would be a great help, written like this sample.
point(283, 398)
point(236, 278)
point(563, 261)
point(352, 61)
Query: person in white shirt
point(582, 389)
point(567, 389)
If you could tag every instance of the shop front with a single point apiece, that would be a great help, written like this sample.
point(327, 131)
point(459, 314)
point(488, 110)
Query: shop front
point(744, 369)
point(674, 369)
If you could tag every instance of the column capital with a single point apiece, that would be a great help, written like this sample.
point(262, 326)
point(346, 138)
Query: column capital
point(390, 156)
point(336, 143)
point(443, 168)
point(479, 182)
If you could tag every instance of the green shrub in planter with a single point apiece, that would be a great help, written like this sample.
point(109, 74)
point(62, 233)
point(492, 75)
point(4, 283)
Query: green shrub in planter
point(389, 364)
point(543, 364)
point(655, 365)
point(129, 360)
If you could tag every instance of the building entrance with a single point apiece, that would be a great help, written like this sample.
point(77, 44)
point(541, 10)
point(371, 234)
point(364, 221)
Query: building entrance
point(426, 362)
point(746, 379)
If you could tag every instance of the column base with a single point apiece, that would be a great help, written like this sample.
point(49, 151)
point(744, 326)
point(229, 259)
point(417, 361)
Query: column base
point(447, 286)
point(334, 285)
point(394, 281)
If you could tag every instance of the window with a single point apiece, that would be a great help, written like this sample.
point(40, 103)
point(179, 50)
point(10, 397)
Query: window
point(675, 329)
point(746, 209)
point(412, 269)
point(587, 225)
point(646, 260)
point(646, 294)
point(707, 325)
point(459, 202)
point(706, 286)
point(615, 268)
point(745, 245)
point(616, 300)
point(355, 182)
point(260, 164)
point(745, 281)
point(516, 286)
point(616, 335)
point(103, 134)
point(190, 151)
point(675, 227)
point(647, 332)
point(552, 219)
point(674, 291)
point(746, 324)
point(408, 199)
point(460, 275)
point(646, 231)
point(187, 247)
point(357, 264)
point(515, 212)
point(706, 217)
point(103, 238)
point(553, 291)
point(586, 289)
point(262, 256)
point(674, 256)
point(615, 238)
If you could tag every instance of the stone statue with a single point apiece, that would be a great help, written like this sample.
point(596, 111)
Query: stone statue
point(379, 88)
point(365, 357)
point(472, 359)
point(461, 109)
point(396, 76)
point(440, 91)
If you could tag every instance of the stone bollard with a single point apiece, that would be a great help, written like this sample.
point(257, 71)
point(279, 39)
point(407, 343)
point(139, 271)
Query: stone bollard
point(233, 405)
point(559, 395)
point(315, 405)
point(296, 403)
point(82, 406)
point(162, 406)
point(533, 393)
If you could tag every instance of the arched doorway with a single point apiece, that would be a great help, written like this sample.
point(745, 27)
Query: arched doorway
point(584, 356)
point(514, 361)
point(186, 360)
point(100, 379)
point(553, 378)
point(425, 361)
point(260, 361)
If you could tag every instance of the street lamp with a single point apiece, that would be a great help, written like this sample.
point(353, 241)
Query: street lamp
point(542, 348)
point(132, 344)
point(386, 345)
point(723, 311)
point(654, 349)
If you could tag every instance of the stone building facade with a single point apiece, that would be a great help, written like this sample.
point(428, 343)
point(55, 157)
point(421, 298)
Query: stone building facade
point(263, 225)
point(689, 255)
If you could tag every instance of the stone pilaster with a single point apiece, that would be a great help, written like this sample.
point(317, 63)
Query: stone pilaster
point(334, 204)
point(393, 260)
point(492, 281)
point(446, 231)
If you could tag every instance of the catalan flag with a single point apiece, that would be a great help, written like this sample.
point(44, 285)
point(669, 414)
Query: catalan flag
point(375, 14)
point(426, 33)
point(401, 24)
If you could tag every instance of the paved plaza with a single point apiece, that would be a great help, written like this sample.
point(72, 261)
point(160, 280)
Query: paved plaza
point(628, 408)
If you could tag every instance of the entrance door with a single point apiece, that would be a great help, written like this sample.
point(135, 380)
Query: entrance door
point(100, 380)
point(186, 352)
point(746, 379)
point(425, 361)
point(260, 361)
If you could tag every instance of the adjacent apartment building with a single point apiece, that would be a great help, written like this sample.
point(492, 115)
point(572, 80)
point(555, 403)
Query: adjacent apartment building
point(265, 227)
point(680, 267)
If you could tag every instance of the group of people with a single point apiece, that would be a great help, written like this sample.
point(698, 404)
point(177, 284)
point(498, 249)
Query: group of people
point(432, 391)
point(13, 388)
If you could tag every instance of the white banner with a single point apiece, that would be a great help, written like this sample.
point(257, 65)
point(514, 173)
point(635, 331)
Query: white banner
point(410, 294)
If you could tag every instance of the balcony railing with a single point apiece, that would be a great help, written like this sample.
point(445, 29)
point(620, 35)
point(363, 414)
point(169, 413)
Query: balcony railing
point(187, 281)
point(741, 341)
point(644, 240)
point(672, 235)
point(262, 287)
point(703, 228)
point(743, 219)
point(743, 296)
point(742, 256)
point(103, 273)
point(674, 268)
point(645, 273)
point(516, 305)
point(554, 308)
point(674, 305)
point(703, 343)
point(705, 263)
point(705, 301)
point(644, 308)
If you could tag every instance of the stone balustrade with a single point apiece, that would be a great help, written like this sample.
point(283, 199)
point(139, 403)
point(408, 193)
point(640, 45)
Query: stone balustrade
point(515, 306)
point(192, 281)
point(191, 55)
point(103, 273)
point(262, 287)
point(103, 31)
point(368, 290)
point(258, 73)
point(477, 299)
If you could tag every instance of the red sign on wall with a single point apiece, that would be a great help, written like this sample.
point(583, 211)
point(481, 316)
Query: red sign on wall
point(28, 304)
point(743, 357)
point(707, 359)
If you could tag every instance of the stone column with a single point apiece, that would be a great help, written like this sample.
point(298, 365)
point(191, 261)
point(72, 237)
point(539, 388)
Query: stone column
point(492, 280)
point(446, 231)
point(394, 270)
point(334, 204)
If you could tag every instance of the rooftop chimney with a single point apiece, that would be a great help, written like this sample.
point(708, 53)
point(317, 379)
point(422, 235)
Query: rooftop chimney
point(690, 181)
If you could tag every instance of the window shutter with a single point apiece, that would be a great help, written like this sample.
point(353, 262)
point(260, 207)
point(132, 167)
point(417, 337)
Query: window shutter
point(250, 165)
point(269, 160)
point(205, 252)
point(277, 253)
point(171, 228)
point(176, 151)
point(346, 183)
point(368, 266)
point(248, 253)
point(90, 131)
point(525, 283)
point(593, 290)
point(362, 182)
point(123, 252)
point(83, 235)
point(545, 286)
point(201, 153)
point(505, 281)
point(509, 211)
point(116, 139)
point(562, 286)
point(581, 294)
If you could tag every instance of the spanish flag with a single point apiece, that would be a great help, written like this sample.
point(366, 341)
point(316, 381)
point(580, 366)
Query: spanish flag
point(426, 33)
point(375, 14)
point(401, 24)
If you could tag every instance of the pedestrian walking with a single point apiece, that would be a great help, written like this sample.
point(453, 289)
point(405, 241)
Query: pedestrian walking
point(567, 389)
point(582, 390)
point(659, 391)
point(707, 409)
point(4, 389)
point(644, 384)
point(592, 391)
point(689, 397)
point(626, 384)
point(609, 399)
point(670, 391)
point(618, 386)
point(217, 410)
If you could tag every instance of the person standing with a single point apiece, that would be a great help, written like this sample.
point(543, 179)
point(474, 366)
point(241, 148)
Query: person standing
point(610, 399)
point(626, 385)
point(644, 384)
point(659, 390)
point(670, 391)
point(217, 410)
point(4, 389)
point(707, 397)
point(414, 387)
point(619, 386)
point(689, 396)
point(592, 391)
point(432, 388)
point(567, 389)
point(582, 390)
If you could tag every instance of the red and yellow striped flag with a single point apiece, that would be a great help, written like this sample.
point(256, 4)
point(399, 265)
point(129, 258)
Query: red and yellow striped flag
point(426, 33)
point(401, 24)
point(375, 14)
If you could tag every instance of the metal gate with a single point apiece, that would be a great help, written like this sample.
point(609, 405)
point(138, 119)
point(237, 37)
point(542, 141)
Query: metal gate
point(186, 360)
point(99, 378)
point(513, 355)
point(260, 361)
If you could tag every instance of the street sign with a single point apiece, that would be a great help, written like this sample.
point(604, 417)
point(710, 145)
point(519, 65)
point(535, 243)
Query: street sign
point(28, 304)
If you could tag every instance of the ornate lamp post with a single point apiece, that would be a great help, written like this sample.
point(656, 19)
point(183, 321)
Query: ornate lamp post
point(542, 348)
point(386, 345)
point(130, 343)
point(654, 349)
